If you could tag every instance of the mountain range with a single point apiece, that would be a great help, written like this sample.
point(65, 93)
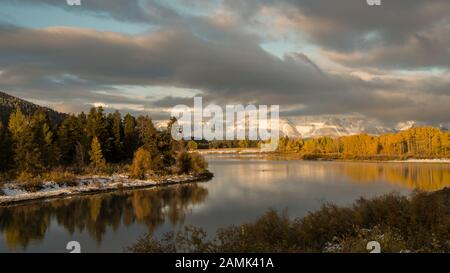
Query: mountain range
point(298, 127)
point(311, 127)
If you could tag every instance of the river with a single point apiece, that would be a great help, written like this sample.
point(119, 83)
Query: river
point(241, 191)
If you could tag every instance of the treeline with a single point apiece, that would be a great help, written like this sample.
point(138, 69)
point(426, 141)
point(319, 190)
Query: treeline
point(243, 143)
point(423, 142)
point(96, 142)
point(223, 144)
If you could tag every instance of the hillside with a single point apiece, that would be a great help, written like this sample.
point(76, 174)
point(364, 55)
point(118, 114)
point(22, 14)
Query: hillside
point(9, 103)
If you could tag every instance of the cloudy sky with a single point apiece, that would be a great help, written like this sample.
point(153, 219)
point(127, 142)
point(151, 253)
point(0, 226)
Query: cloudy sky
point(312, 57)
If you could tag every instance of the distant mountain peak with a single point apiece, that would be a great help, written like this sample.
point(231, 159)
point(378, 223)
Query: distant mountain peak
point(406, 125)
point(310, 127)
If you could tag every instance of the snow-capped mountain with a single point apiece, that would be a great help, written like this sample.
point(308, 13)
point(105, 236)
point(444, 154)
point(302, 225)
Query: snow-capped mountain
point(309, 127)
point(403, 126)
point(319, 126)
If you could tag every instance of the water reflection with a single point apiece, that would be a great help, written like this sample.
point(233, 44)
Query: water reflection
point(21, 225)
point(241, 191)
point(425, 177)
point(420, 176)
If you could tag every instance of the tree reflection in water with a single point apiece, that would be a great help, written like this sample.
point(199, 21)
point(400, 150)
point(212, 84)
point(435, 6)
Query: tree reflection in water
point(93, 214)
point(424, 177)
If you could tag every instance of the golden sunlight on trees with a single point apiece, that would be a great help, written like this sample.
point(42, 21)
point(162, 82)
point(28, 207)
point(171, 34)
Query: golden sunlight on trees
point(424, 142)
point(141, 164)
point(33, 146)
point(97, 160)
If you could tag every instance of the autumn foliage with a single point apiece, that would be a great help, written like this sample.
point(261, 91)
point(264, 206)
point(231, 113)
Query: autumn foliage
point(422, 142)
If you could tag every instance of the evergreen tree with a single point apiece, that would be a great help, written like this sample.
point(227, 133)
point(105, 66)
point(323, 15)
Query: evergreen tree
point(5, 149)
point(146, 131)
point(97, 126)
point(70, 135)
point(43, 138)
point(130, 140)
point(163, 154)
point(27, 154)
point(117, 133)
point(96, 155)
point(153, 142)
point(83, 143)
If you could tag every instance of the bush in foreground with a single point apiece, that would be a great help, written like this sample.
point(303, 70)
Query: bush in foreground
point(420, 223)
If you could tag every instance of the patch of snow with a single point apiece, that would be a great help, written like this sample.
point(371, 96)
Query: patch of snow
point(13, 191)
point(412, 160)
point(84, 185)
point(50, 186)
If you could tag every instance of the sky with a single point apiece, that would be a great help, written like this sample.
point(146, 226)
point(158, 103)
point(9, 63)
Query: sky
point(388, 63)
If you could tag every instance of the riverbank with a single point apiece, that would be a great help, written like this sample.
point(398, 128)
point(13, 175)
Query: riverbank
point(413, 160)
point(14, 193)
point(316, 157)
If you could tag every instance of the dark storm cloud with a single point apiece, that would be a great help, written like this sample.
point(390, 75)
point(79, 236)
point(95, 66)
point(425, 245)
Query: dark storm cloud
point(221, 59)
point(393, 21)
point(237, 71)
point(397, 34)
point(171, 101)
point(175, 57)
point(428, 50)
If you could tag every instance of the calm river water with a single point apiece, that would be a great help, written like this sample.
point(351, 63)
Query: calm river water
point(241, 191)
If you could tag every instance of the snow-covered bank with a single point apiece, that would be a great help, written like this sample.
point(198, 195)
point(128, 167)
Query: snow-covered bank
point(412, 160)
point(13, 193)
point(231, 151)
